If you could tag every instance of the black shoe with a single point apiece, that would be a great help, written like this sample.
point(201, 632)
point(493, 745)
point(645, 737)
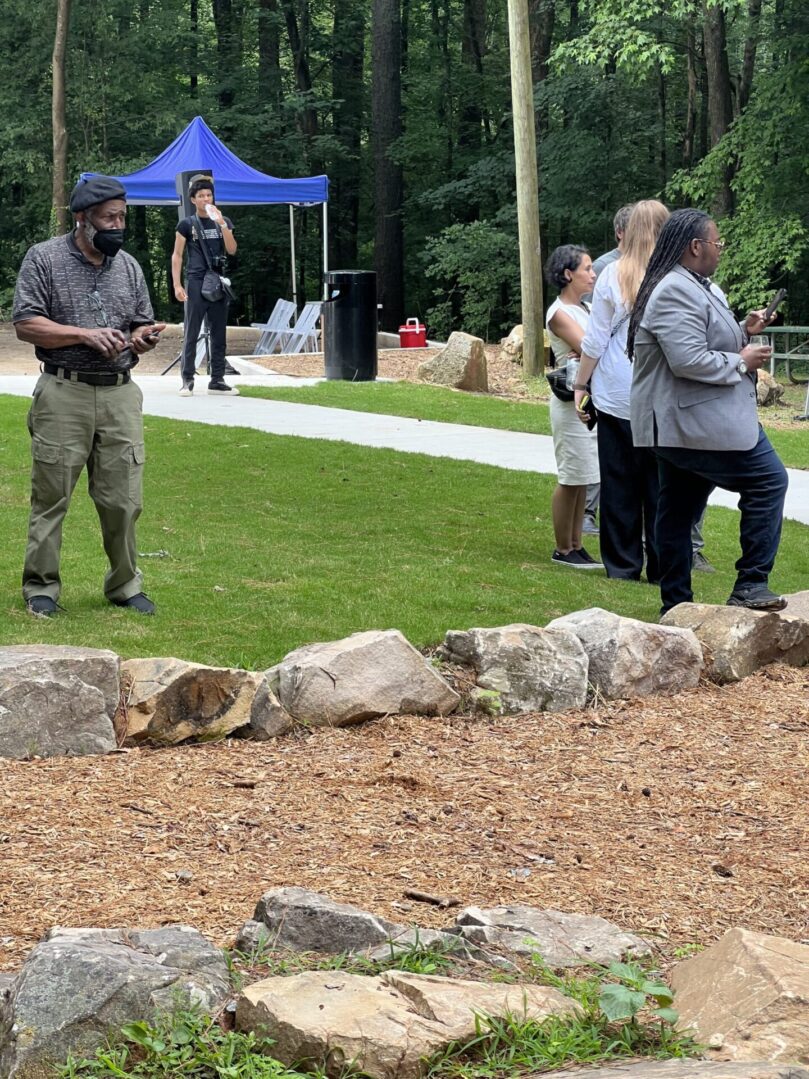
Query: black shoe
point(701, 564)
point(187, 388)
point(757, 597)
point(42, 606)
point(574, 560)
point(230, 369)
point(588, 559)
point(140, 603)
point(218, 385)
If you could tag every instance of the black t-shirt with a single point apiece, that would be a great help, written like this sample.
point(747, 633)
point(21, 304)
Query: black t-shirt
point(189, 228)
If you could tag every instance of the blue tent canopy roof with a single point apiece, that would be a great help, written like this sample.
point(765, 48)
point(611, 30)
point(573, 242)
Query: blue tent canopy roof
point(236, 183)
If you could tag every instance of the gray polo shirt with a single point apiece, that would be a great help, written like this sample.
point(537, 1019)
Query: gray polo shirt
point(57, 282)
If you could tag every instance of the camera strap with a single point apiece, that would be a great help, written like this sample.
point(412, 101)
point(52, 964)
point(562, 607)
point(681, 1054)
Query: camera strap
point(202, 241)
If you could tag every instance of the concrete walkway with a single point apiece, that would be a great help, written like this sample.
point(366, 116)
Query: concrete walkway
point(504, 449)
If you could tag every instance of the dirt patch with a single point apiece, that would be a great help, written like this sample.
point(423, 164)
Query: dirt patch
point(675, 817)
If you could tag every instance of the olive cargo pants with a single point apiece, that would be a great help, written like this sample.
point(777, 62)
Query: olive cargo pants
point(74, 425)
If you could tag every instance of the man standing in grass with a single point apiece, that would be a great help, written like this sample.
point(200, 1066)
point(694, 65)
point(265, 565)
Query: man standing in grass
point(84, 305)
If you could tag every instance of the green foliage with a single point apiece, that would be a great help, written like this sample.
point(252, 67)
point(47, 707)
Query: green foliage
point(631, 992)
point(183, 1042)
point(416, 958)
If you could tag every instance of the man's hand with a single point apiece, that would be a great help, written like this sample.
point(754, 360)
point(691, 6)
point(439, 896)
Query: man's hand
point(755, 356)
point(144, 338)
point(107, 341)
point(579, 397)
point(214, 214)
point(756, 323)
point(180, 293)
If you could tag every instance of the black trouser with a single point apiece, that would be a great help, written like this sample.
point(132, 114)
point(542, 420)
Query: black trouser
point(197, 308)
point(687, 477)
point(629, 492)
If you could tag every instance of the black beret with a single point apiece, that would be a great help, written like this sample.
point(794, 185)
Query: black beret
point(97, 189)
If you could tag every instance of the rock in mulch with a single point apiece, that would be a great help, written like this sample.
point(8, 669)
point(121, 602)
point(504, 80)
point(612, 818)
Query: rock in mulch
point(57, 701)
point(461, 364)
point(169, 700)
point(561, 939)
point(308, 921)
point(629, 658)
point(768, 391)
point(364, 676)
point(531, 669)
point(385, 1026)
point(6, 982)
point(80, 985)
point(739, 641)
point(749, 993)
point(797, 605)
point(511, 347)
point(686, 1069)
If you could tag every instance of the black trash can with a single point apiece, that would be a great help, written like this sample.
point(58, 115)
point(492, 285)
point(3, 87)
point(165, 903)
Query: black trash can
point(349, 322)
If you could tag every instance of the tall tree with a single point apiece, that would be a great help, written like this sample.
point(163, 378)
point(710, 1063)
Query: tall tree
point(58, 115)
point(720, 92)
point(348, 49)
point(386, 128)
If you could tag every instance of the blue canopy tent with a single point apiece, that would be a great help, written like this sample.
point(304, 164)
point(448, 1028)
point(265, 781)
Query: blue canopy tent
point(237, 184)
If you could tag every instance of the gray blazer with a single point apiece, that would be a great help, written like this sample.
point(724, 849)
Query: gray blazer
point(686, 389)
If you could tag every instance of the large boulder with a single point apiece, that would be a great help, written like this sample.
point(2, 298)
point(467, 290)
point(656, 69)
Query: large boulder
point(57, 700)
point(629, 658)
point(80, 985)
point(748, 993)
point(739, 641)
point(386, 1027)
point(531, 669)
point(797, 605)
point(563, 940)
point(366, 675)
point(171, 700)
point(268, 717)
point(307, 921)
point(460, 364)
point(768, 391)
point(686, 1069)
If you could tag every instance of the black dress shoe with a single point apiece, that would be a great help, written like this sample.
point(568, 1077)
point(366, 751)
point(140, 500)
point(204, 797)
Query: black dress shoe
point(140, 603)
point(42, 606)
point(757, 597)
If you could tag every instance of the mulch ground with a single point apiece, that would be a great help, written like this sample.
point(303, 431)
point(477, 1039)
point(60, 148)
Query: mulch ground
point(675, 817)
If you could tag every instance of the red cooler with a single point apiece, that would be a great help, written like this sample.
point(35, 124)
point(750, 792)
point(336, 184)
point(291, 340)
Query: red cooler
point(413, 334)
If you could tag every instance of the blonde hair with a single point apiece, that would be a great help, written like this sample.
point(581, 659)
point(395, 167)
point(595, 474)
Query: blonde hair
point(645, 222)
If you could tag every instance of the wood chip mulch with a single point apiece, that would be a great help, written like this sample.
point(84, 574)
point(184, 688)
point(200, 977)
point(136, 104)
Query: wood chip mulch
point(675, 817)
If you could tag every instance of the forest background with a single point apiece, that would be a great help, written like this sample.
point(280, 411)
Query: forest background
point(405, 105)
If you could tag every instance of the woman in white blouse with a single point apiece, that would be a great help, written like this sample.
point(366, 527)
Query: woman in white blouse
point(570, 268)
point(629, 484)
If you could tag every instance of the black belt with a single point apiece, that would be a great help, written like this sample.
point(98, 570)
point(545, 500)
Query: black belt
point(92, 378)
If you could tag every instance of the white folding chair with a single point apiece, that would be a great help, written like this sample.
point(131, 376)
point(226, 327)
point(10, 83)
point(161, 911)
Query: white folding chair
point(276, 325)
point(303, 335)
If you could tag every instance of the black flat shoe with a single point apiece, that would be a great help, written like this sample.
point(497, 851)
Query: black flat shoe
point(757, 597)
point(42, 606)
point(140, 603)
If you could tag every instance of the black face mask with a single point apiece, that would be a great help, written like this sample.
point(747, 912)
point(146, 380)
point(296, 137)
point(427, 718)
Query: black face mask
point(107, 241)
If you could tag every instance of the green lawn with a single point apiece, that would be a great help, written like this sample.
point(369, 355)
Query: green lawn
point(450, 406)
point(254, 544)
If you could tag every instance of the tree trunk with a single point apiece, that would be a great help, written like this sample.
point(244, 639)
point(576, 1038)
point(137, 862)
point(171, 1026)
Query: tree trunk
point(269, 54)
point(542, 15)
point(720, 96)
point(193, 59)
point(443, 108)
point(303, 77)
point(473, 47)
point(58, 117)
point(750, 47)
point(691, 101)
point(348, 47)
point(386, 125)
point(227, 17)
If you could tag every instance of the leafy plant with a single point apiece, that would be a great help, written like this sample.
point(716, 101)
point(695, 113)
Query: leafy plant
point(632, 992)
point(182, 1042)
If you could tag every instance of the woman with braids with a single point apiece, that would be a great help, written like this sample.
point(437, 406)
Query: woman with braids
point(570, 269)
point(694, 402)
point(629, 483)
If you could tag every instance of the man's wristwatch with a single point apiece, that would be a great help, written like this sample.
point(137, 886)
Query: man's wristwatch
point(579, 386)
point(742, 368)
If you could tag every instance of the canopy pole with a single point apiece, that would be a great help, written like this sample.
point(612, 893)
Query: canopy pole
point(325, 248)
point(292, 247)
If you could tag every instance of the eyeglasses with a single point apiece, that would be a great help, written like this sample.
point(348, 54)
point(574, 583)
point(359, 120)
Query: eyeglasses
point(720, 245)
point(98, 308)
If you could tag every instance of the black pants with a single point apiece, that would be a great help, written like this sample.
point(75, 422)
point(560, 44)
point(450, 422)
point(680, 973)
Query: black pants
point(687, 477)
point(629, 492)
point(196, 309)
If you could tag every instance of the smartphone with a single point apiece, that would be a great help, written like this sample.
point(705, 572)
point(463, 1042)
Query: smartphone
point(775, 303)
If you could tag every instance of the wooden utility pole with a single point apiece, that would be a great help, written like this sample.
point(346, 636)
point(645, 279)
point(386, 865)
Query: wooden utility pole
point(58, 117)
point(525, 153)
